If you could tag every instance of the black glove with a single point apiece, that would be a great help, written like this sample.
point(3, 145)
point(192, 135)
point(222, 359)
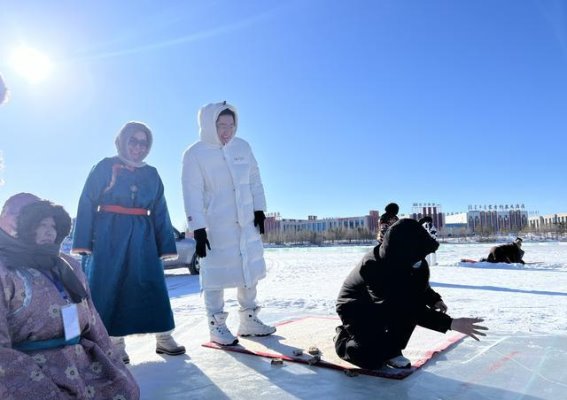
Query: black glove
point(200, 236)
point(259, 218)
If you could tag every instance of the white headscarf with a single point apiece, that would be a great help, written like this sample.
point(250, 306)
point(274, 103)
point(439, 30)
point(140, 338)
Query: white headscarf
point(123, 138)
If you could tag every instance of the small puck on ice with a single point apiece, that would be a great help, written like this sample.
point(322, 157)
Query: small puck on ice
point(314, 360)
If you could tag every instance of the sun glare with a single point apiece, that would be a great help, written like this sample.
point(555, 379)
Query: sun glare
point(31, 64)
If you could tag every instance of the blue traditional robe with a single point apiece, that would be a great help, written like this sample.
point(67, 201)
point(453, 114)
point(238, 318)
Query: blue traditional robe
point(124, 268)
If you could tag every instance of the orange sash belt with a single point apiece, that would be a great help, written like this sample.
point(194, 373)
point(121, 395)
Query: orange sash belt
point(123, 210)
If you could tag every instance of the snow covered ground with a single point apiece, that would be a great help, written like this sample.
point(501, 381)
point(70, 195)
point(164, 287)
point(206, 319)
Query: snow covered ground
point(524, 355)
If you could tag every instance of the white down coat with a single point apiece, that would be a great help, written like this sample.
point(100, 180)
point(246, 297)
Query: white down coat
point(221, 190)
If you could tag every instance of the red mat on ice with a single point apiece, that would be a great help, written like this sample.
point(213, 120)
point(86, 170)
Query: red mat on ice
point(300, 334)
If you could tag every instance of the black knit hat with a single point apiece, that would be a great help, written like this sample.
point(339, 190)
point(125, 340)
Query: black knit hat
point(392, 208)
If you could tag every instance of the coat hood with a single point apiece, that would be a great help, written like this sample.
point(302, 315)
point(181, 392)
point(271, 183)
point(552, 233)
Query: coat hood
point(407, 242)
point(12, 208)
point(207, 118)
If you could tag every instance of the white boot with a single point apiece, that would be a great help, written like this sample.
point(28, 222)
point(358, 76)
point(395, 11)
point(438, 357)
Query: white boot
point(165, 344)
point(120, 348)
point(220, 334)
point(250, 324)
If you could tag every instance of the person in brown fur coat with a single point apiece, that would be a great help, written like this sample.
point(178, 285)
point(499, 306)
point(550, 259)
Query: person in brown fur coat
point(506, 253)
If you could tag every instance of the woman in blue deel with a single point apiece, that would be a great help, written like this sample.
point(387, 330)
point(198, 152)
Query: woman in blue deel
point(123, 231)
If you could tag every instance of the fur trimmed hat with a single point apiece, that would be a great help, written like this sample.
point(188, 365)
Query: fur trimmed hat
point(32, 214)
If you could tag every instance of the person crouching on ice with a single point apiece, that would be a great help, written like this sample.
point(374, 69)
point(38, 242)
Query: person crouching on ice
point(386, 295)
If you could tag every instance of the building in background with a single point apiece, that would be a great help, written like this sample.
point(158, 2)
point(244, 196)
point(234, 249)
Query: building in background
point(433, 210)
point(489, 219)
point(456, 224)
point(274, 223)
point(548, 223)
point(478, 220)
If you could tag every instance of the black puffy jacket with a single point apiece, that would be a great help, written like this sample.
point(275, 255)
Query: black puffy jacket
point(392, 281)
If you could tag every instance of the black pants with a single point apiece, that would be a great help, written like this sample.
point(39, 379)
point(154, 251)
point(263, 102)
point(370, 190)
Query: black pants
point(368, 342)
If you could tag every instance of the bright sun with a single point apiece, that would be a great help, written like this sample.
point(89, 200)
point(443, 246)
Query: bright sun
point(31, 64)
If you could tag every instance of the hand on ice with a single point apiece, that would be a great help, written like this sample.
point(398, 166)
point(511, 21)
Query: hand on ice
point(469, 327)
point(440, 306)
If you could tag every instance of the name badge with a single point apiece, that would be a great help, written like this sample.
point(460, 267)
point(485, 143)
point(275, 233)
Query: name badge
point(70, 316)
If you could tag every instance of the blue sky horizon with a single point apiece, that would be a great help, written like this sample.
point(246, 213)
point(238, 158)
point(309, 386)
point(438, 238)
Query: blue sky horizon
point(347, 105)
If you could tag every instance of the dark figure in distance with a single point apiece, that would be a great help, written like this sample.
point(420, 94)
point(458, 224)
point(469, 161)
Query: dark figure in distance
point(506, 253)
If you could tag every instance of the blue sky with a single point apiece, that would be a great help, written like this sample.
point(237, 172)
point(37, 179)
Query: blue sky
point(348, 105)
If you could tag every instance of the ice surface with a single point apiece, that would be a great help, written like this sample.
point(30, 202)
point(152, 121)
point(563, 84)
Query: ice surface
point(523, 357)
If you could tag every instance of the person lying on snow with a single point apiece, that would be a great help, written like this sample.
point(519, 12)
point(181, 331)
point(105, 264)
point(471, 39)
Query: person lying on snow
point(506, 253)
point(386, 295)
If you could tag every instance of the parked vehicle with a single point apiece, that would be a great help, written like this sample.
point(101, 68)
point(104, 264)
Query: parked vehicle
point(186, 251)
